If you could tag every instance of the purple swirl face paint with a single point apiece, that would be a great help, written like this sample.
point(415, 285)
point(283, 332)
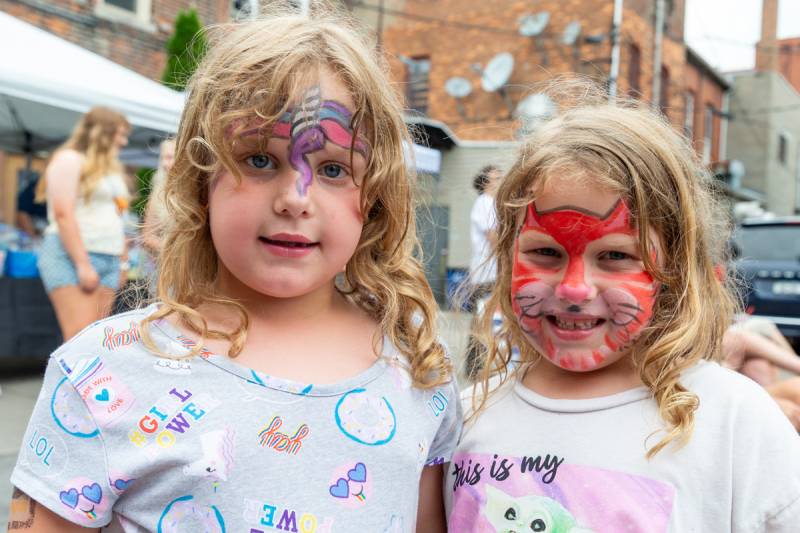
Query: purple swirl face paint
point(311, 124)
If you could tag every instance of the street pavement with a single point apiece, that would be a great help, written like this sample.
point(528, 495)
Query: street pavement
point(20, 390)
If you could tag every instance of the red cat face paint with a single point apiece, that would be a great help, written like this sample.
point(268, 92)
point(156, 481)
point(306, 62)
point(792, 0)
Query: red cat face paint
point(579, 288)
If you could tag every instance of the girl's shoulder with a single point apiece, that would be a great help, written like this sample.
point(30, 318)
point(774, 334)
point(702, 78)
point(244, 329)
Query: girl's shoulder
point(104, 338)
point(726, 393)
point(68, 156)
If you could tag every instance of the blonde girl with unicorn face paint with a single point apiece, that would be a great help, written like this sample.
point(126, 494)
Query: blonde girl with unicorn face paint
point(620, 417)
point(289, 377)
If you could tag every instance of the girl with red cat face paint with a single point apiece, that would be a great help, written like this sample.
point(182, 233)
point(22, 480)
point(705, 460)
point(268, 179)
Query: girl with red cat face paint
point(615, 414)
point(579, 289)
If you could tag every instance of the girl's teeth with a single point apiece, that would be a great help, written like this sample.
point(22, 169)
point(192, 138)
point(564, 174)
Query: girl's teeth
point(575, 324)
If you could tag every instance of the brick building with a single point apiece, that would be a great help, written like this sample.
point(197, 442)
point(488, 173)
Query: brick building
point(132, 33)
point(777, 55)
point(429, 43)
point(439, 40)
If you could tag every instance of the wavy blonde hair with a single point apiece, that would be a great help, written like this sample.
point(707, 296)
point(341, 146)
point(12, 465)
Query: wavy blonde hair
point(93, 136)
point(249, 72)
point(628, 149)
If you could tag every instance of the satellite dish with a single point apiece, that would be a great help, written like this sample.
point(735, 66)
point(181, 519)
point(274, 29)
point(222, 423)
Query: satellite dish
point(533, 25)
point(496, 74)
point(535, 107)
point(458, 87)
point(571, 33)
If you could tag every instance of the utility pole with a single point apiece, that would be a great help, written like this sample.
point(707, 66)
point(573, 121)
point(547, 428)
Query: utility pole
point(613, 75)
point(655, 101)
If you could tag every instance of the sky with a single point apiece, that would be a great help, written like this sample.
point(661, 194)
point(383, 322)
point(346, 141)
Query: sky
point(724, 32)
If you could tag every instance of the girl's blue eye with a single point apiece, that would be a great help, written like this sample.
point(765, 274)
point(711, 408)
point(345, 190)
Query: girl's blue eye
point(332, 170)
point(549, 252)
point(616, 256)
point(259, 161)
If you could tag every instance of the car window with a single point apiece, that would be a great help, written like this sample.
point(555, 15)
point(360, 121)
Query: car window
point(770, 243)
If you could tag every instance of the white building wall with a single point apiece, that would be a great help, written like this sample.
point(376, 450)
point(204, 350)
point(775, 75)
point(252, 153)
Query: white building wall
point(454, 189)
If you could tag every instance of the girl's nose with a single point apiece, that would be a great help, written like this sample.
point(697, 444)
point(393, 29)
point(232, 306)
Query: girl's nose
point(292, 198)
point(574, 287)
point(573, 293)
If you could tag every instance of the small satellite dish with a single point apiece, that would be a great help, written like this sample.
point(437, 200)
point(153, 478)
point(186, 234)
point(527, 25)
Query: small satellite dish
point(458, 87)
point(535, 107)
point(571, 33)
point(497, 72)
point(533, 25)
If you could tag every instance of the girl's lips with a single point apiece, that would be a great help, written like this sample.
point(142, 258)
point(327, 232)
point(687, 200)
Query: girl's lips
point(284, 245)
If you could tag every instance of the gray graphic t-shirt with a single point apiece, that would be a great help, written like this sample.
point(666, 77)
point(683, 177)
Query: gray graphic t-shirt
point(125, 439)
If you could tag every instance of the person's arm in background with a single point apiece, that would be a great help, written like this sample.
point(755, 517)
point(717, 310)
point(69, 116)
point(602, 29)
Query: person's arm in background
point(757, 345)
point(151, 236)
point(25, 514)
point(63, 178)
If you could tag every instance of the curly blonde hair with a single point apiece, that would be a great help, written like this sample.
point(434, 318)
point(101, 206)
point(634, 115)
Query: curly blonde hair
point(249, 72)
point(93, 136)
point(626, 148)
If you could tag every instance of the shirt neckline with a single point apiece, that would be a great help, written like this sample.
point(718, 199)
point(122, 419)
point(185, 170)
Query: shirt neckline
point(600, 403)
point(583, 405)
point(180, 343)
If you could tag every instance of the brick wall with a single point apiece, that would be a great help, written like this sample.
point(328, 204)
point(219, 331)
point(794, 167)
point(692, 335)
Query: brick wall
point(463, 39)
point(784, 55)
point(139, 46)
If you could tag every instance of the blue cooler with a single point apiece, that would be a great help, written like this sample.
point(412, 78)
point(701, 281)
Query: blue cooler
point(21, 264)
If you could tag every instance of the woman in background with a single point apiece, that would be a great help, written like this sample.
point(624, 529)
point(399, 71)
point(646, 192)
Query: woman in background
point(81, 258)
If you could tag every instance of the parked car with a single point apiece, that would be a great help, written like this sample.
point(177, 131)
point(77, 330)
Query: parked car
point(768, 261)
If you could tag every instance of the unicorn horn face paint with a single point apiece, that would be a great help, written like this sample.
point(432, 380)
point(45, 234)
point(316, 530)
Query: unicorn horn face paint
point(579, 288)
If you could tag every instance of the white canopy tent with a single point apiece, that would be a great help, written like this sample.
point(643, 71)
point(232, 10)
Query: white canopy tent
point(46, 83)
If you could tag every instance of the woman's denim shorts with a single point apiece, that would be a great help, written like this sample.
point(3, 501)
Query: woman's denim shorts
point(57, 269)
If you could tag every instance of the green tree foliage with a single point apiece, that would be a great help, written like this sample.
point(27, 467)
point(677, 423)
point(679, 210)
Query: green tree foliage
point(185, 49)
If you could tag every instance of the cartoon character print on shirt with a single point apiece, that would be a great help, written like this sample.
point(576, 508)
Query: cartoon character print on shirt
point(350, 485)
point(533, 493)
point(365, 418)
point(104, 394)
point(627, 307)
point(217, 459)
point(527, 514)
point(185, 514)
point(85, 500)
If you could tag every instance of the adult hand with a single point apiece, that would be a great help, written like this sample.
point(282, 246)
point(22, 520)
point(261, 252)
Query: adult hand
point(88, 280)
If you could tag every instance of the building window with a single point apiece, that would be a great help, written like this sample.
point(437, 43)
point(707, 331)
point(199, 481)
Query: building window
point(664, 96)
point(708, 133)
point(783, 148)
point(128, 5)
point(135, 12)
point(417, 73)
point(688, 118)
point(634, 70)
